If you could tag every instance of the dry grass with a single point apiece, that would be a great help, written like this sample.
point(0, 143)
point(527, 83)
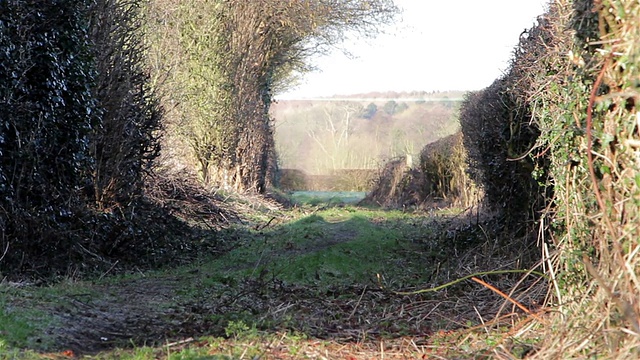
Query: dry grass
point(439, 180)
point(576, 74)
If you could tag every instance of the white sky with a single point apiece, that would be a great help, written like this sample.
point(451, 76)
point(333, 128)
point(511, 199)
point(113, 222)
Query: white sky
point(436, 45)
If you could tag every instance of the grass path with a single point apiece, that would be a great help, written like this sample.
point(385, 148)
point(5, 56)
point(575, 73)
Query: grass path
point(315, 286)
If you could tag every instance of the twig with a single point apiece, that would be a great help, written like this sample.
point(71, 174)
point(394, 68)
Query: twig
point(357, 304)
point(592, 171)
point(514, 301)
point(108, 271)
point(181, 342)
point(629, 312)
point(258, 227)
point(494, 272)
point(6, 249)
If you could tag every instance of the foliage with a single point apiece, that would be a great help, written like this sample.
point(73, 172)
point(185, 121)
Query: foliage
point(499, 136)
point(391, 107)
point(396, 186)
point(370, 111)
point(80, 137)
point(46, 78)
point(444, 173)
point(587, 112)
point(439, 179)
point(126, 142)
point(575, 94)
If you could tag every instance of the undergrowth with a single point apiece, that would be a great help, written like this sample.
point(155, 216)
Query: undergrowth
point(313, 281)
point(591, 129)
point(574, 77)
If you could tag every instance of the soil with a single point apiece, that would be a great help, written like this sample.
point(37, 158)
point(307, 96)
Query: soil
point(129, 311)
point(147, 312)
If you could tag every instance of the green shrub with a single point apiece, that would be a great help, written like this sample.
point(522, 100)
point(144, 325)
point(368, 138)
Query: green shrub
point(46, 78)
point(573, 89)
point(80, 136)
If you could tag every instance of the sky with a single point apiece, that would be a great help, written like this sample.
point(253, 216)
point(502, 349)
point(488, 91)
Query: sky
point(435, 45)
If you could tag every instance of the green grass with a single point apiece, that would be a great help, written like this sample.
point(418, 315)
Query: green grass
point(315, 250)
point(21, 326)
point(328, 248)
point(326, 197)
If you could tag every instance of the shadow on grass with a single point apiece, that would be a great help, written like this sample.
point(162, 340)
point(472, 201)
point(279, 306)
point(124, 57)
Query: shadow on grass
point(330, 274)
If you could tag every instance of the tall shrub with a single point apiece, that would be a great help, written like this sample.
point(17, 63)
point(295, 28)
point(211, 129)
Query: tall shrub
point(586, 107)
point(231, 56)
point(78, 128)
point(577, 73)
point(127, 140)
point(47, 112)
point(500, 136)
point(443, 165)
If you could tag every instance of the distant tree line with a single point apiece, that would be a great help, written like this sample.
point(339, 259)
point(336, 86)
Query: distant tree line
point(324, 136)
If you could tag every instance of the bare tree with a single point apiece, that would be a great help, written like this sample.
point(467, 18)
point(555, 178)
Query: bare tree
point(333, 135)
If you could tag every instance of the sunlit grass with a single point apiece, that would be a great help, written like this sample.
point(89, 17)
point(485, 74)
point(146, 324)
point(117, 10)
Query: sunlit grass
point(326, 197)
point(336, 246)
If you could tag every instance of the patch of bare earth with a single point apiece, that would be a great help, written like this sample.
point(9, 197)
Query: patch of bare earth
point(139, 311)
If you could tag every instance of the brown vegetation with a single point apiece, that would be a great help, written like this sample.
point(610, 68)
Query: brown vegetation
point(338, 180)
point(554, 144)
point(560, 147)
point(228, 64)
point(440, 179)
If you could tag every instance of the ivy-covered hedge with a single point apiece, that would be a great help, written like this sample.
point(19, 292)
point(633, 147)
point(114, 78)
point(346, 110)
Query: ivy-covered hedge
point(569, 105)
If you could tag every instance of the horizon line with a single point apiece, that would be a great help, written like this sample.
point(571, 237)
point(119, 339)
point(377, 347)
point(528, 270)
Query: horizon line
point(374, 99)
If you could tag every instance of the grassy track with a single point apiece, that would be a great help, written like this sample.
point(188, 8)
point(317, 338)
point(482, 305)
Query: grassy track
point(312, 281)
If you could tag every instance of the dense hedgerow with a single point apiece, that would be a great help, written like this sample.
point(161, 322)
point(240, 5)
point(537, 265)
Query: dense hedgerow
point(569, 105)
point(47, 114)
point(588, 115)
point(127, 142)
point(78, 130)
point(439, 179)
point(444, 169)
point(500, 136)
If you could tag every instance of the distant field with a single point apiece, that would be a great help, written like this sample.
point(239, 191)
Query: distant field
point(330, 197)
